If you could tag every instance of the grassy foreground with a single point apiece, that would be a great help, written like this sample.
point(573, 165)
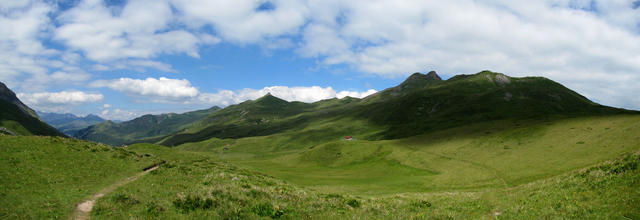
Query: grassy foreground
point(45, 177)
point(196, 186)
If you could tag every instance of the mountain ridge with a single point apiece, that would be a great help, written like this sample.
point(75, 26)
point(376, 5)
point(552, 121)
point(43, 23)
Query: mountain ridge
point(422, 103)
point(142, 129)
point(18, 118)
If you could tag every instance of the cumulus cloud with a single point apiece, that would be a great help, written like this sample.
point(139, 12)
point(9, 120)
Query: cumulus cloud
point(243, 21)
point(65, 97)
point(302, 94)
point(22, 23)
point(181, 91)
point(139, 30)
point(58, 101)
point(25, 61)
point(585, 44)
point(160, 87)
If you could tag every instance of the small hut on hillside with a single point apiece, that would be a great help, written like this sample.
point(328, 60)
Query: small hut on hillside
point(348, 138)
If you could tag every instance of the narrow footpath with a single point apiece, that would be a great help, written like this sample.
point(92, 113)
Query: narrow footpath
point(83, 209)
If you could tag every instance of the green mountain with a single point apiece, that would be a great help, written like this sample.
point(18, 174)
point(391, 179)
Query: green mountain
point(266, 115)
point(422, 103)
point(68, 123)
point(18, 119)
point(146, 128)
point(481, 146)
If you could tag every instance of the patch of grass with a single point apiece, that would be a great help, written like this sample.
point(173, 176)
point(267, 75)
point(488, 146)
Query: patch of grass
point(462, 158)
point(45, 177)
point(191, 203)
point(585, 193)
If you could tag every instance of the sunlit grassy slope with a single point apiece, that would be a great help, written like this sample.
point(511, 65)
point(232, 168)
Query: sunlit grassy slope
point(484, 155)
point(194, 185)
point(45, 177)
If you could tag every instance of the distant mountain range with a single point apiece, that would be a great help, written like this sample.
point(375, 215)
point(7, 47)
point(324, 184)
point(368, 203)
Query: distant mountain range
point(18, 119)
point(68, 123)
point(146, 128)
point(422, 103)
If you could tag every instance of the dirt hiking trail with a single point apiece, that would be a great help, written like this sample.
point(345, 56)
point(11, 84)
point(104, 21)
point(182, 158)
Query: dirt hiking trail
point(84, 209)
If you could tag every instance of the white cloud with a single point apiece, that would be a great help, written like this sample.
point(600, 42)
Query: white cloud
point(65, 97)
point(587, 45)
point(181, 91)
point(565, 40)
point(303, 94)
point(240, 21)
point(58, 101)
point(22, 22)
point(140, 30)
point(161, 87)
point(24, 60)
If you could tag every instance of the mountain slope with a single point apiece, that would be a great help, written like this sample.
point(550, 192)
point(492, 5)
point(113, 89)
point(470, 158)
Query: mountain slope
point(17, 118)
point(422, 103)
point(141, 129)
point(68, 123)
point(484, 96)
point(266, 115)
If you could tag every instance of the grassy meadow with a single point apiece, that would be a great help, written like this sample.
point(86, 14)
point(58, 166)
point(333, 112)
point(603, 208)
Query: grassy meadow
point(484, 155)
point(195, 186)
point(575, 168)
point(45, 177)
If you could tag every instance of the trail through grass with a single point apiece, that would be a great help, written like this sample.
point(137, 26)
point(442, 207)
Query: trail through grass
point(84, 209)
point(194, 185)
point(46, 177)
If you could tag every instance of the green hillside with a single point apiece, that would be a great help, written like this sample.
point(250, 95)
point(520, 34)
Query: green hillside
point(483, 155)
point(421, 104)
point(18, 119)
point(45, 177)
point(147, 128)
point(266, 115)
point(195, 185)
point(481, 146)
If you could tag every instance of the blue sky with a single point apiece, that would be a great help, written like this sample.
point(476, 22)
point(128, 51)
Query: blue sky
point(124, 58)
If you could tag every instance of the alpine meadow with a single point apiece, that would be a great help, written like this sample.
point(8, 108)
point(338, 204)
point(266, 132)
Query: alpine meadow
point(307, 109)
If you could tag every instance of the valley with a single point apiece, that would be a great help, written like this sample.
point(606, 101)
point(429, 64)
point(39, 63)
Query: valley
point(478, 146)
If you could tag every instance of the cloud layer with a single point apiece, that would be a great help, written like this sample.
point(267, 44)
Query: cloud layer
point(58, 101)
point(589, 45)
point(161, 87)
point(181, 91)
